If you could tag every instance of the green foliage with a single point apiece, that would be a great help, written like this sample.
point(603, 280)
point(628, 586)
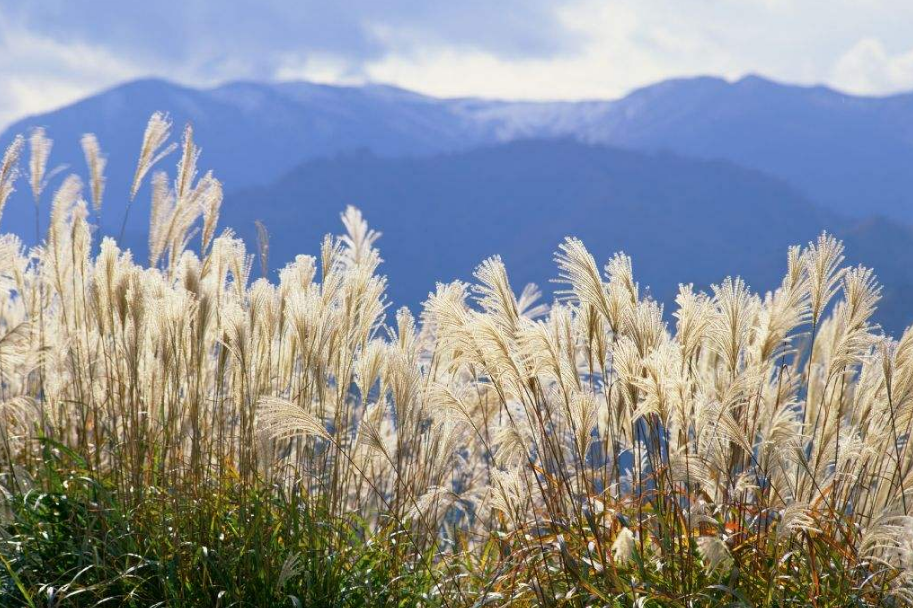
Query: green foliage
point(77, 543)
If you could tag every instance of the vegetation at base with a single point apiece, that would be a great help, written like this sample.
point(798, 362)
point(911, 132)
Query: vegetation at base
point(75, 543)
point(177, 434)
point(71, 540)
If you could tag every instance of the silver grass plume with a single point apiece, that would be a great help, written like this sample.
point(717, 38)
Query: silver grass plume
point(158, 130)
point(434, 500)
point(9, 170)
point(495, 295)
point(282, 419)
point(96, 162)
point(694, 316)
point(187, 166)
point(861, 294)
point(583, 410)
point(512, 447)
point(211, 202)
point(370, 430)
point(620, 272)
point(508, 494)
point(359, 239)
point(822, 261)
point(795, 517)
point(578, 270)
point(715, 553)
point(20, 409)
point(291, 568)
point(783, 310)
point(162, 205)
point(40, 146)
point(369, 366)
point(64, 199)
point(735, 313)
point(528, 304)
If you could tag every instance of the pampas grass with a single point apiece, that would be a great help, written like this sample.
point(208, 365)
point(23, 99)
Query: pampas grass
point(96, 162)
point(746, 448)
point(9, 170)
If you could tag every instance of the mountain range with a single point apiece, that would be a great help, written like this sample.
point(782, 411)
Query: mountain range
point(695, 178)
point(681, 220)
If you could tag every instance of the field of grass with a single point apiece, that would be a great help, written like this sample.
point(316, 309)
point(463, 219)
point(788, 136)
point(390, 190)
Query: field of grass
point(175, 433)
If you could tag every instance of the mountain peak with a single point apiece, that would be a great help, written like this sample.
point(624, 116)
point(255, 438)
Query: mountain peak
point(753, 79)
point(148, 85)
point(688, 83)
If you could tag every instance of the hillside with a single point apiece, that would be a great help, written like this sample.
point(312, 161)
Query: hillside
point(847, 153)
point(680, 219)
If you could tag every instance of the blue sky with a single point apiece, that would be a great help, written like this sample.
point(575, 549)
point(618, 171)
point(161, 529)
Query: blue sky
point(55, 51)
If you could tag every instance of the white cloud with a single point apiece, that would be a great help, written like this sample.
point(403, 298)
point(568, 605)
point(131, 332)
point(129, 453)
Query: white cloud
point(320, 68)
point(40, 74)
point(869, 68)
point(607, 64)
point(621, 49)
point(629, 43)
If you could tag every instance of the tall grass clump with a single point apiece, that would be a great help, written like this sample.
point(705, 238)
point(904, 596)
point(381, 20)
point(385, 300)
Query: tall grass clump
point(177, 433)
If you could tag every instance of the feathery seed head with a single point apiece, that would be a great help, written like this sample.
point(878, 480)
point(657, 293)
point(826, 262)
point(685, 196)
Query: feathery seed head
point(40, 146)
point(158, 130)
point(96, 162)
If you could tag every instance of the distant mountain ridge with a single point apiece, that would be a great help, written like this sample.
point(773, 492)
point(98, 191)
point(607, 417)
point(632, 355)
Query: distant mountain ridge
point(850, 154)
point(681, 220)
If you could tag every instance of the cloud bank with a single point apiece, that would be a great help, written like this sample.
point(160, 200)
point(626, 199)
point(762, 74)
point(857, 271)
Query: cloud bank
point(54, 51)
